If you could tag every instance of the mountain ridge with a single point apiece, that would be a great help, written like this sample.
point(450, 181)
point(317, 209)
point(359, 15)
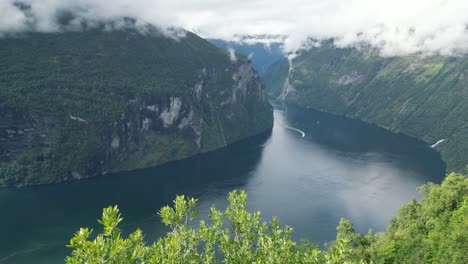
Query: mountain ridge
point(425, 97)
point(80, 104)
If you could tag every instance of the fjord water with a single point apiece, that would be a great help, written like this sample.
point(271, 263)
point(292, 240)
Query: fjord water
point(340, 168)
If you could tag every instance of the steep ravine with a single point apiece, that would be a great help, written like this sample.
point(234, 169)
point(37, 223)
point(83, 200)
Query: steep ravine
point(425, 97)
point(81, 104)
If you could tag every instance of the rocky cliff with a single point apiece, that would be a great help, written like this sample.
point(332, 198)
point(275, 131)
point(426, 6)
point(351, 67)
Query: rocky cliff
point(80, 104)
point(425, 97)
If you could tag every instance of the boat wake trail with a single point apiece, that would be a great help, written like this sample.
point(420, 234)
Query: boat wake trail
point(438, 143)
point(297, 130)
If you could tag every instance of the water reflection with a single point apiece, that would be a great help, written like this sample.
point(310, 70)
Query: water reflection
point(41, 219)
point(341, 168)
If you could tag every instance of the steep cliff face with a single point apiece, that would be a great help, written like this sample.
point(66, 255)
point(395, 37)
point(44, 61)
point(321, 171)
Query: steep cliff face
point(275, 78)
point(424, 97)
point(80, 104)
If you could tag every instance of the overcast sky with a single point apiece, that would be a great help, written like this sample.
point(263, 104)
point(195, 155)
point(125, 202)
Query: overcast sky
point(397, 27)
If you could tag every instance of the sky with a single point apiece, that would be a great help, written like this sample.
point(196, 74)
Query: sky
point(395, 27)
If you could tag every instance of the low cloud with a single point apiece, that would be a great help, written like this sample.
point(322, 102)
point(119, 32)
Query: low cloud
point(232, 54)
point(395, 27)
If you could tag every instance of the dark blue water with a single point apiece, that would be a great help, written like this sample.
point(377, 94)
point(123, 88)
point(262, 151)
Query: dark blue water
point(341, 168)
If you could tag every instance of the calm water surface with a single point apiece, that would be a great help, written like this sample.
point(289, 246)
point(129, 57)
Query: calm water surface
point(340, 168)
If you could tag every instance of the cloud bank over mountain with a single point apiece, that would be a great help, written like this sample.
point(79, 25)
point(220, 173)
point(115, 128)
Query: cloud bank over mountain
point(396, 27)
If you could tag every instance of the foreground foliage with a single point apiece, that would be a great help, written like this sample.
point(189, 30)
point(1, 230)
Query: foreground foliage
point(434, 230)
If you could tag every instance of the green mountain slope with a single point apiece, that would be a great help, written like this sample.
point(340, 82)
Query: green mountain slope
point(79, 104)
point(424, 97)
point(275, 77)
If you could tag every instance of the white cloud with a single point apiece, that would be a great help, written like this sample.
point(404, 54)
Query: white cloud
point(232, 54)
point(397, 27)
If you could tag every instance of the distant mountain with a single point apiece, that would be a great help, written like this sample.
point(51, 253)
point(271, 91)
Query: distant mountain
point(275, 77)
point(79, 104)
point(422, 96)
point(262, 54)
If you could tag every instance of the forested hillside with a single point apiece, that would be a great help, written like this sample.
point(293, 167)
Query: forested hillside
point(422, 96)
point(79, 104)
